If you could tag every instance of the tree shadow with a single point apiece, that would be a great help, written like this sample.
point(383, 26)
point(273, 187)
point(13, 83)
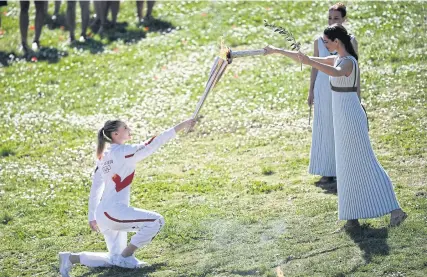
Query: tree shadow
point(49, 54)
point(371, 242)
point(328, 187)
point(124, 272)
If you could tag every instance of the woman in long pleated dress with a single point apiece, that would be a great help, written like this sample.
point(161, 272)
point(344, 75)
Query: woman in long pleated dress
point(364, 188)
point(322, 152)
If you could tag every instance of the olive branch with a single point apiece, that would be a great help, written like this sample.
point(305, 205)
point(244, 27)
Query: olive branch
point(288, 36)
point(294, 44)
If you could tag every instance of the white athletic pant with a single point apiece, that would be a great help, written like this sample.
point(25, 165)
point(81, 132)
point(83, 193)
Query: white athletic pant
point(114, 224)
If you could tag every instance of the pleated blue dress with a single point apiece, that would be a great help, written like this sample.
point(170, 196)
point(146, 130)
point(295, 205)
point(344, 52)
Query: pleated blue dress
point(364, 188)
point(322, 152)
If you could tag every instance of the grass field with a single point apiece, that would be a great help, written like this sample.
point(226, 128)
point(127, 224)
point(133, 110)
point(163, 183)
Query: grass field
point(236, 195)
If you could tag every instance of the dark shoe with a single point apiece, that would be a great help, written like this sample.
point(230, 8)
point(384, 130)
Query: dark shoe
point(349, 226)
point(148, 19)
point(326, 179)
point(397, 218)
point(352, 224)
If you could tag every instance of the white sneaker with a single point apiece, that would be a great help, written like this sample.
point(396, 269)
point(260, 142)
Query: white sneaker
point(65, 264)
point(141, 264)
point(128, 262)
point(35, 46)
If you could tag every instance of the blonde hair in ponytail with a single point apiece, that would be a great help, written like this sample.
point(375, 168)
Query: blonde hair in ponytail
point(104, 135)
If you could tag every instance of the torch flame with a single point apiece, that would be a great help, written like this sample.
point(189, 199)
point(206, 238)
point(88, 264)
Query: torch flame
point(224, 50)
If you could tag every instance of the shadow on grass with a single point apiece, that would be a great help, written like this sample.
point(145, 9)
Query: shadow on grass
point(371, 241)
point(153, 24)
point(157, 25)
point(49, 54)
point(91, 45)
point(119, 32)
point(328, 187)
point(59, 23)
point(6, 152)
point(124, 272)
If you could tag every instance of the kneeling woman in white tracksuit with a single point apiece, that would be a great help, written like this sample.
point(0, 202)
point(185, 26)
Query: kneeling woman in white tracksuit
point(109, 210)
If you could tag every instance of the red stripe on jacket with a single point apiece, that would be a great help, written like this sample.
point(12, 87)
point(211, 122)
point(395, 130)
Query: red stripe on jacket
point(150, 141)
point(147, 143)
point(122, 184)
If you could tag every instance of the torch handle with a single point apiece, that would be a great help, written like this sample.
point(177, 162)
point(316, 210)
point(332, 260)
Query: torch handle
point(246, 53)
point(216, 71)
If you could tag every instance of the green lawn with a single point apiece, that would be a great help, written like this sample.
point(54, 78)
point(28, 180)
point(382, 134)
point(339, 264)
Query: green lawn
point(236, 195)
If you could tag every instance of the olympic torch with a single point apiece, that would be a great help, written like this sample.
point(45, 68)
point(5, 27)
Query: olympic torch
point(243, 53)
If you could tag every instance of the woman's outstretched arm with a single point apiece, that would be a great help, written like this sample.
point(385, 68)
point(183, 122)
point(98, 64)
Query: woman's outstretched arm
point(294, 55)
point(137, 152)
point(344, 69)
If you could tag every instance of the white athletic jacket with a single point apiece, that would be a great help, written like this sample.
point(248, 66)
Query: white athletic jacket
point(115, 171)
